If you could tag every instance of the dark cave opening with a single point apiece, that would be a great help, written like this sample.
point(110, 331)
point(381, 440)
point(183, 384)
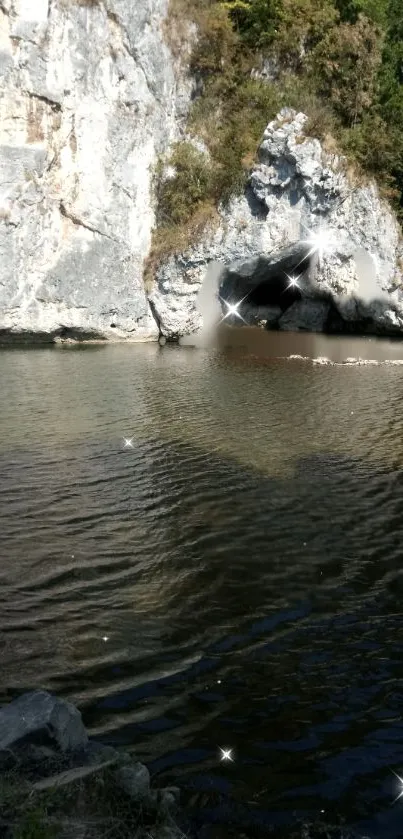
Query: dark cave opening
point(274, 286)
point(278, 292)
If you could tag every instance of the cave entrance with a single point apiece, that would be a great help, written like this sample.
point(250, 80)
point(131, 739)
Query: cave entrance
point(278, 292)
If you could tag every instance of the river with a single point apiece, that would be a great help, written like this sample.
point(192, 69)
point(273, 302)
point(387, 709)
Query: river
point(230, 577)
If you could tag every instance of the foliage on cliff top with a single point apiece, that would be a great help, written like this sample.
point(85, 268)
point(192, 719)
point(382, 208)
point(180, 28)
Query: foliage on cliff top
point(340, 61)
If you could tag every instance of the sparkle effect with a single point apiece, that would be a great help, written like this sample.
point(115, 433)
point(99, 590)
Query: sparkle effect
point(169, 173)
point(401, 782)
point(128, 442)
point(226, 754)
point(293, 281)
point(233, 309)
point(320, 242)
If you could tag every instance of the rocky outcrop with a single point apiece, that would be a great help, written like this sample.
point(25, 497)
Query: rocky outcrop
point(39, 716)
point(349, 276)
point(89, 97)
point(45, 749)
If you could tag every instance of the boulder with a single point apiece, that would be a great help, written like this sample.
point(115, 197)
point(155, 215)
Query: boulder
point(134, 780)
point(40, 718)
point(168, 800)
point(309, 315)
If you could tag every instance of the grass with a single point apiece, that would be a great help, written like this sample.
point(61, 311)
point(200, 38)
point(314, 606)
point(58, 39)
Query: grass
point(178, 238)
point(88, 808)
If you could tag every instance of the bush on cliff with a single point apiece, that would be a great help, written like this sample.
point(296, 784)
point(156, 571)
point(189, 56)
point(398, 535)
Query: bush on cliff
point(340, 61)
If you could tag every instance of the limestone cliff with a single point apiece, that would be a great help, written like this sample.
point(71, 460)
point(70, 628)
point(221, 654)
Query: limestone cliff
point(296, 188)
point(89, 97)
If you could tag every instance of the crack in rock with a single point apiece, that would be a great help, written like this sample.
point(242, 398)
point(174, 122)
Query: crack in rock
point(56, 106)
point(80, 223)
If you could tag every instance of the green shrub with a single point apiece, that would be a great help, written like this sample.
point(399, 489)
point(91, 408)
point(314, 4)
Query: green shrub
point(34, 825)
point(255, 20)
point(339, 62)
point(180, 193)
point(346, 64)
point(216, 43)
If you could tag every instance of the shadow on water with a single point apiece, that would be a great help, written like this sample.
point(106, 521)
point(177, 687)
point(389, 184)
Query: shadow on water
point(208, 604)
point(275, 629)
point(265, 345)
point(302, 677)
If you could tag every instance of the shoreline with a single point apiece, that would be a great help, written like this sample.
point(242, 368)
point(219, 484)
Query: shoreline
point(57, 782)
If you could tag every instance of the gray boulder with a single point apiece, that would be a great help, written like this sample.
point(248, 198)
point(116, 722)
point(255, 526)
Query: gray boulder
point(168, 800)
point(309, 315)
point(260, 315)
point(41, 718)
point(134, 780)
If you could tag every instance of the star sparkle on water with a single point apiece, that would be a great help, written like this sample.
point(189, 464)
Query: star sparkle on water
point(128, 442)
point(226, 754)
point(401, 782)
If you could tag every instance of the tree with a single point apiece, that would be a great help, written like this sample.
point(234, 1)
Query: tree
point(375, 10)
point(391, 72)
point(346, 63)
point(255, 20)
point(302, 25)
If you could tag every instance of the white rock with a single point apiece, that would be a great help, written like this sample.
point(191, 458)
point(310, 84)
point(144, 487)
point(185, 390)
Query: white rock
point(295, 188)
point(90, 97)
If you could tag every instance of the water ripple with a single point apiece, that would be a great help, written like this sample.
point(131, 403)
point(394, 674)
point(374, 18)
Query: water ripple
point(233, 578)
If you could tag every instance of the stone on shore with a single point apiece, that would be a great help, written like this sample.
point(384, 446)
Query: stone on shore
point(47, 759)
point(42, 719)
point(134, 780)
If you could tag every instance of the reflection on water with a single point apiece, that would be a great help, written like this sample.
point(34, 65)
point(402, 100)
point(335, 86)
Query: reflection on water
point(243, 561)
point(269, 345)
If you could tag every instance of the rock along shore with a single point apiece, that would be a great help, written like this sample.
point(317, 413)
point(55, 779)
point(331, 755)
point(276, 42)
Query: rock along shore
point(56, 782)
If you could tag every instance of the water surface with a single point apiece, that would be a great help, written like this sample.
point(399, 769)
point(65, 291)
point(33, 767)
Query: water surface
point(231, 579)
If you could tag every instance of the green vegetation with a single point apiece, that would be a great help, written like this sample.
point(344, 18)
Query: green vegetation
point(340, 61)
point(90, 807)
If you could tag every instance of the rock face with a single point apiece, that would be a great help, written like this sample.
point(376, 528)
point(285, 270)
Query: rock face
point(89, 96)
point(349, 278)
point(39, 716)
